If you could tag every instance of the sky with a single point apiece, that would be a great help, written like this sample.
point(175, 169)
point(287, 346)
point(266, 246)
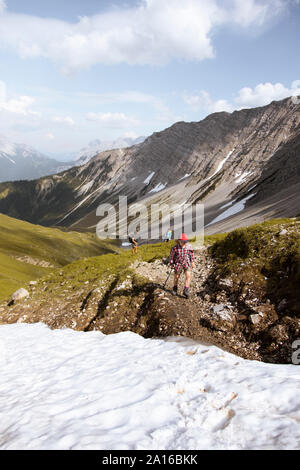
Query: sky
point(75, 71)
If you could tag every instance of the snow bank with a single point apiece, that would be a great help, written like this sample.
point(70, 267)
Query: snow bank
point(10, 159)
point(7, 147)
point(71, 390)
point(149, 178)
point(158, 187)
point(185, 176)
point(241, 177)
point(222, 163)
point(234, 208)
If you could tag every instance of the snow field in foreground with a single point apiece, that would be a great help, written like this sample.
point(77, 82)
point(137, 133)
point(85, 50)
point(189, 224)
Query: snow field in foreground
point(72, 390)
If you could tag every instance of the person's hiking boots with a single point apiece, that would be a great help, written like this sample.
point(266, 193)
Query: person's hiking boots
point(175, 290)
point(186, 292)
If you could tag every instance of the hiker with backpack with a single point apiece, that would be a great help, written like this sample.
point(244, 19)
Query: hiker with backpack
point(182, 260)
point(134, 244)
point(168, 236)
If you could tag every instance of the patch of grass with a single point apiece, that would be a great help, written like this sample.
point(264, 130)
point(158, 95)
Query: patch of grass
point(150, 253)
point(15, 273)
point(19, 239)
point(93, 270)
point(211, 239)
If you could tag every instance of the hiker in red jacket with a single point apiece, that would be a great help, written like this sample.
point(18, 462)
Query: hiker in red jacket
point(182, 259)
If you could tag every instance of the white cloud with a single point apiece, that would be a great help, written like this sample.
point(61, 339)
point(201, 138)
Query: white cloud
point(2, 6)
point(64, 120)
point(264, 93)
point(261, 95)
point(203, 102)
point(113, 120)
point(19, 105)
point(153, 32)
point(130, 96)
point(49, 136)
point(2, 91)
point(130, 135)
point(222, 105)
point(251, 12)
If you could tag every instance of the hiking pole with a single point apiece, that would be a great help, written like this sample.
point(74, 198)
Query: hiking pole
point(168, 277)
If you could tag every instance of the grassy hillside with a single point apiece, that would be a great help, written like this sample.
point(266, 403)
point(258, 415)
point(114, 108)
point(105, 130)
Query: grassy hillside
point(30, 251)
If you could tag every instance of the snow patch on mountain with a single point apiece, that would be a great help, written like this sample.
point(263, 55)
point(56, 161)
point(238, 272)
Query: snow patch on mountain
point(234, 208)
point(241, 177)
point(3, 155)
point(158, 187)
point(62, 389)
point(222, 163)
point(149, 178)
point(185, 176)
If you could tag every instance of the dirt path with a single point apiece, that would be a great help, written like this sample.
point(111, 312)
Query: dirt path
point(203, 316)
point(158, 272)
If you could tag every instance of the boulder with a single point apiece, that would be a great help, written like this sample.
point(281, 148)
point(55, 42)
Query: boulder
point(20, 294)
point(256, 318)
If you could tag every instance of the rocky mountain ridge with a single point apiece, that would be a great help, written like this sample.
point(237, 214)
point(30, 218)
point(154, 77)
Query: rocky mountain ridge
point(229, 162)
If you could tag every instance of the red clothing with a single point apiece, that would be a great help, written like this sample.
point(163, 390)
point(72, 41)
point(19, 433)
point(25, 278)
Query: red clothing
point(181, 257)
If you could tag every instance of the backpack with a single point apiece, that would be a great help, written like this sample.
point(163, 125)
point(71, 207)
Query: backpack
point(130, 239)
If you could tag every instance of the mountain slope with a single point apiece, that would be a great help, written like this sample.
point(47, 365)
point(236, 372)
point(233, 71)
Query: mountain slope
point(224, 159)
point(29, 251)
point(22, 162)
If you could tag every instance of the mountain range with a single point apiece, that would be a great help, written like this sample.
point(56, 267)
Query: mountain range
point(22, 162)
point(243, 166)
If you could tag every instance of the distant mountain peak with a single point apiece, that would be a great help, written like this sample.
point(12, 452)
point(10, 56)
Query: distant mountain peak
point(23, 162)
point(96, 146)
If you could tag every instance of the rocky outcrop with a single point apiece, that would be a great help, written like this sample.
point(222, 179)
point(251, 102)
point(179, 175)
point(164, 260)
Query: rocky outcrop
point(19, 295)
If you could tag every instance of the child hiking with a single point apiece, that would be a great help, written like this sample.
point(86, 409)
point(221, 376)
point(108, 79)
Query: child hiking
point(182, 259)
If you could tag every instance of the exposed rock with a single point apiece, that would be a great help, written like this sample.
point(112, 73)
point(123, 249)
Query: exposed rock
point(256, 318)
point(279, 333)
point(20, 294)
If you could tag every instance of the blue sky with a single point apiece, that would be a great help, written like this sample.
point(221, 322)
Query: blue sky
point(75, 71)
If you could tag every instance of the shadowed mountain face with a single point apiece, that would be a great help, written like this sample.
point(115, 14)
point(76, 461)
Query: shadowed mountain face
point(237, 160)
